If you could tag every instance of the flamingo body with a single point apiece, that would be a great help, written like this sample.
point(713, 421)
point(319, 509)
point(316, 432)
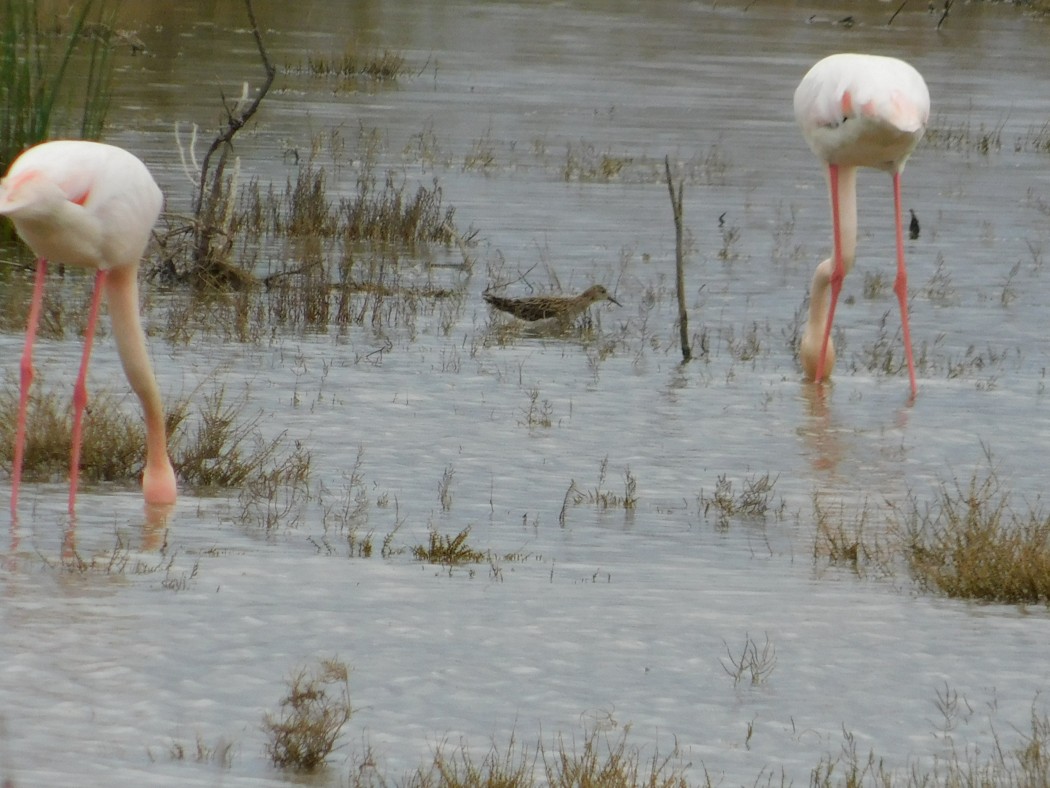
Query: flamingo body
point(856, 111)
point(91, 205)
point(82, 203)
point(863, 110)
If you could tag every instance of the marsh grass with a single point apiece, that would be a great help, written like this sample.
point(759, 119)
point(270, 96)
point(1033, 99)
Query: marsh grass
point(278, 494)
point(599, 760)
point(221, 448)
point(606, 499)
point(379, 210)
point(747, 346)
point(875, 285)
point(971, 543)
point(217, 448)
point(448, 550)
point(939, 289)
point(394, 214)
point(482, 155)
point(590, 162)
point(753, 502)
point(537, 413)
point(975, 362)
point(606, 760)
point(1037, 139)
point(63, 312)
point(329, 261)
point(219, 754)
point(846, 538)
point(303, 733)
point(730, 234)
point(457, 768)
point(381, 65)
point(754, 662)
point(113, 446)
point(584, 162)
point(347, 512)
point(885, 354)
point(47, 440)
point(122, 560)
point(1026, 764)
point(600, 496)
point(963, 137)
point(51, 73)
point(445, 488)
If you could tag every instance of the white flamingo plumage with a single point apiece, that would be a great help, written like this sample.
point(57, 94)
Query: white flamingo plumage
point(91, 205)
point(857, 111)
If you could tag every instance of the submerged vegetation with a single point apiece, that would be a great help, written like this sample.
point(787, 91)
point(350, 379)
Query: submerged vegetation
point(55, 76)
point(312, 714)
point(377, 65)
point(448, 550)
point(969, 542)
point(55, 79)
point(302, 259)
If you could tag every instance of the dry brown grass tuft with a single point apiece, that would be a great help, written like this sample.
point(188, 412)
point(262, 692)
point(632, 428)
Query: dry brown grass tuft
point(378, 65)
point(218, 449)
point(328, 262)
point(972, 544)
point(514, 768)
point(600, 761)
point(312, 715)
point(226, 449)
point(847, 539)
point(448, 550)
point(753, 502)
point(603, 761)
point(113, 448)
point(1027, 764)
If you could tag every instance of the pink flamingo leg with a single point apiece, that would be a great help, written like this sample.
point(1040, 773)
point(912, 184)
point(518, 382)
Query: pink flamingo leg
point(80, 395)
point(839, 272)
point(900, 286)
point(26, 370)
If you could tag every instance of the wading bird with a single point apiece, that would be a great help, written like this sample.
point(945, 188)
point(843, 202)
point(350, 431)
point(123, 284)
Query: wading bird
point(91, 205)
point(563, 309)
point(857, 111)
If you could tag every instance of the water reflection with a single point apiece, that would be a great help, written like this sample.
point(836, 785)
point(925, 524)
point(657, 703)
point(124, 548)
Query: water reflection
point(820, 433)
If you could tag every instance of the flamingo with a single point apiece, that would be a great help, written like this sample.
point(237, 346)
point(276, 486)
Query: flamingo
point(91, 205)
point(857, 111)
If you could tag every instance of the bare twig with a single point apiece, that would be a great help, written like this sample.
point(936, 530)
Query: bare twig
point(569, 493)
point(676, 207)
point(212, 240)
point(236, 115)
point(899, 9)
point(947, 8)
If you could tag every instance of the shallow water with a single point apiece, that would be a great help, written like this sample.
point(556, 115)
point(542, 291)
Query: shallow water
point(616, 617)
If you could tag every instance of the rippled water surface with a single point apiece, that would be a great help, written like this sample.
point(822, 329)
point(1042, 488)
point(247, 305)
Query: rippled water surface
point(184, 627)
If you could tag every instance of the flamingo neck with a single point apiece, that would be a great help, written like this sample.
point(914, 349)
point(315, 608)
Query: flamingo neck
point(842, 193)
point(813, 335)
point(844, 231)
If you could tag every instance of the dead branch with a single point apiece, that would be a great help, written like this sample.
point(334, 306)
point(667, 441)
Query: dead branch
point(676, 207)
point(211, 243)
point(237, 114)
point(947, 8)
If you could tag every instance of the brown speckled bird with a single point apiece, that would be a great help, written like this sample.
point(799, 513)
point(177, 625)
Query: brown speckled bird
point(561, 308)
